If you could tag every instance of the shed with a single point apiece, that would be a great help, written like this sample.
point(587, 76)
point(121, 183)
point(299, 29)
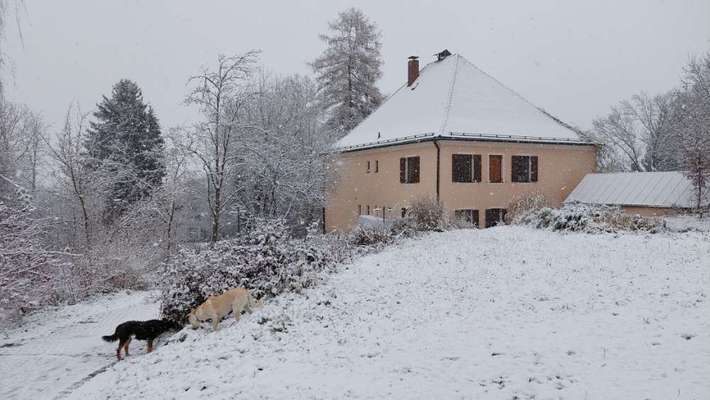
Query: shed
point(643, 193)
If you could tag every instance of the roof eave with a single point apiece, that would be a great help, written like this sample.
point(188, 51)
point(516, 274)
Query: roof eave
point(463, 136)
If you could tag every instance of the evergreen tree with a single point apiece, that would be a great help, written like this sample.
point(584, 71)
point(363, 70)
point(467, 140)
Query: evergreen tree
point(125, 145)
point(347, 70)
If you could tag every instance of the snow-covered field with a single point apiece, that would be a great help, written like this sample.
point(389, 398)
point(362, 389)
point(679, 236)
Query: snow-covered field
point(55, 351)
point(682, 223)
point(502, 313)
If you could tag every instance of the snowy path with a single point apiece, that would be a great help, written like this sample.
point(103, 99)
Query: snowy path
point(502, 313)
point(57, 351)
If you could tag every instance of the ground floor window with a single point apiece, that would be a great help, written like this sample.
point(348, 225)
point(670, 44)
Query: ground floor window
point(495, 216)
point(467, 216)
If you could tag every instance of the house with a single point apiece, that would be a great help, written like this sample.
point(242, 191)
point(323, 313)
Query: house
point(453, 133)
point(644, 193)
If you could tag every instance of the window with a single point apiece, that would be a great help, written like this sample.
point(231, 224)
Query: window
point(359, 209)
point(495, 216)
point(465, 168)
point(467, 216)
point(409, 170)
point(368, 167)
point(377, 166)
point(404, 212)
point(495, 169)
point(524, 169)
point(368, 209)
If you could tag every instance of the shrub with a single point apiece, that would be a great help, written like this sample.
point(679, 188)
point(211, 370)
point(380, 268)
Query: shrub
point(579, 217)
point(31, 276)
point(370, 236)
point(521, 206)
point(427, 214)
point(267, 260)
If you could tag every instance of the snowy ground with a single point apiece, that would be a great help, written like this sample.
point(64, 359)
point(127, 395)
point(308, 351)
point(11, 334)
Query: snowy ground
point(56, 351)
point(682, 223)
point(501, 313)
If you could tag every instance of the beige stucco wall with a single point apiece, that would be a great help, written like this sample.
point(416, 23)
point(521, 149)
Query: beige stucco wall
point(560, 169)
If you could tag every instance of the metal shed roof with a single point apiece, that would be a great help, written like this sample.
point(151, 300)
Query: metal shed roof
point(645, 189)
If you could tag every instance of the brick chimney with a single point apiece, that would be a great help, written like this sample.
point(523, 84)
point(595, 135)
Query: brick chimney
point(412, 70)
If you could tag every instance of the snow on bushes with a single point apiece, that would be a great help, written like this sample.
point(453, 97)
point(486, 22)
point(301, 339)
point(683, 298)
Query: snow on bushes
point(267, 260)
point(424, 215)
point(521, 206)
point(30, 275)
point(428, 214)
point(578, 217)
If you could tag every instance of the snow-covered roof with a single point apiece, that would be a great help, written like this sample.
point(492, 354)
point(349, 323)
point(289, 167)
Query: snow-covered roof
point(645, 189)
point(452, 98)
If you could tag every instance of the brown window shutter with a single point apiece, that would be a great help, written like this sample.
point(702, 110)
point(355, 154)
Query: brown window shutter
point(495, 169)
point(477, 168)
point(533, 169)
point(402, 169)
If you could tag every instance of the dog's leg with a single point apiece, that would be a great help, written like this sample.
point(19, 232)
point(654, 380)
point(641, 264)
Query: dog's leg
point(237, 307)
point(150, 345)
point(126, 345)
point(121, 343)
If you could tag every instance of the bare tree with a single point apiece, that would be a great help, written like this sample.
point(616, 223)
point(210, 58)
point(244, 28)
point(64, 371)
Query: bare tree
point(618, 133)
point(694, 126)
point(221, 95)
point(167, 199)
point(652, 118)
point(638, 134)
point(282, 153)
point(10, 120)
point(34, 148)
point(69, 154)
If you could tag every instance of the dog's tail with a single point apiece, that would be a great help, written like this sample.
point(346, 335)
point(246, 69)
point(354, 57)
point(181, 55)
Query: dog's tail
point(110, 338)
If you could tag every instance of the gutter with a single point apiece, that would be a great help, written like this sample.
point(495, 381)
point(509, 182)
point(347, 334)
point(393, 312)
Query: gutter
point(462, 137)
point(438, 165)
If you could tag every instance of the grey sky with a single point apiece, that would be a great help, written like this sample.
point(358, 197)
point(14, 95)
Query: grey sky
point(574, 58)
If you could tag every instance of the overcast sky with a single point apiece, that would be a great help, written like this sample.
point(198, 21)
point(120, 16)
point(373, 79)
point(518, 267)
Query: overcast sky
point(573, 58)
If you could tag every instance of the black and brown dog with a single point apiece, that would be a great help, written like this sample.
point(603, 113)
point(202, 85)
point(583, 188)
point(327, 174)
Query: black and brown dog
point(141, 330)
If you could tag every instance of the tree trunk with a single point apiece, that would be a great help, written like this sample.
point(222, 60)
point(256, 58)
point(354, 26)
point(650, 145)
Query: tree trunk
point(170, 228)
point(216, 214)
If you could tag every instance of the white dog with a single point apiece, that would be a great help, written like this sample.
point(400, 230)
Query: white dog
point(217, 307)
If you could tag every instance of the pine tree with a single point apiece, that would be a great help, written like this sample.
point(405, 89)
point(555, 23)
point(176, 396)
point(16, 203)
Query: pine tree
point(125, 145)
point(347, 70)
